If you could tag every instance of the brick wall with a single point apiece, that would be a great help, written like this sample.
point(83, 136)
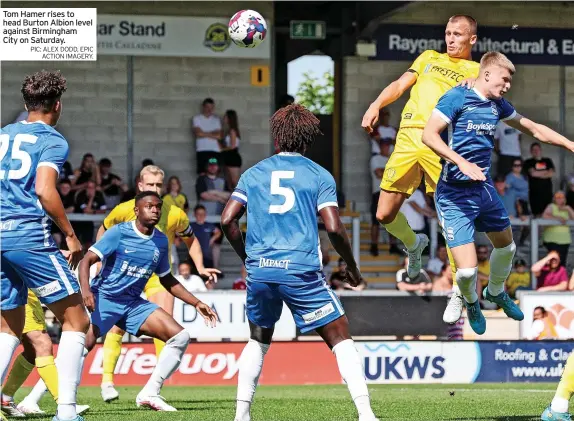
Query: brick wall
point(167, 93)
point(535, 90)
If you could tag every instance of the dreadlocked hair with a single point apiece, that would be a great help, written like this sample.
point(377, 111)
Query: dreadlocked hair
point(294, 128)
point(42, 90)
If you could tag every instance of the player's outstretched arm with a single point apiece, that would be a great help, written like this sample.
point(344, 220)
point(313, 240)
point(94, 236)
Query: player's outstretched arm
point(539, 131)
point(431, 137)
point(230, 217)
point(340, 240)
point(178, 290)
point(46, 179)
point(89, 259)
point(389, 95)
point(196, 255)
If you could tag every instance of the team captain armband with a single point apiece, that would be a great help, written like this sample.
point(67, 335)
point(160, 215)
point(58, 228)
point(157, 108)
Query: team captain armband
point(188, 232)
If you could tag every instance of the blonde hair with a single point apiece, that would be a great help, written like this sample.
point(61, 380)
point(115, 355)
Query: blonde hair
point(494, 58)
point(152, 169)
point(469, 19)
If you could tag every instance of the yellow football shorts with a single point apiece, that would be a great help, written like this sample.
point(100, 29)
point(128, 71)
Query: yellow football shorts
point(35, 320)
point(153, 286)
point(408, 162)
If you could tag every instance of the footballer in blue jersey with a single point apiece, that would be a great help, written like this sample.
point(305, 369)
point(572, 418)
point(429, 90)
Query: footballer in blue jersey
point(32, 154)
point(466, 198)
point(282, 196)
point(131, 252)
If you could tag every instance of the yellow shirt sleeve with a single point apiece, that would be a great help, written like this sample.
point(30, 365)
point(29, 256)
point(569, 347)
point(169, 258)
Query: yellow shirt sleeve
point(121, 213)
point(419, 64)
point(183, 226)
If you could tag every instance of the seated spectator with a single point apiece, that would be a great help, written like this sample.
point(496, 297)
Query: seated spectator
point(507, 197)
point(383, 132)
point(378, 163)
point(443, 283)
point(207, 234)
point(517, 185)
point(88, 171)
point(111, 184)
point(542, 327)
point(519, 279)
point(552, 276)
point(67, 172)
point(88, 201)
point(435, 265)
point(337, 280)
point(211, 189)
point(421, 284)
point(558, 237)
point(174, 195)
point(192, 283)
point(68, 200)
point(483, 257)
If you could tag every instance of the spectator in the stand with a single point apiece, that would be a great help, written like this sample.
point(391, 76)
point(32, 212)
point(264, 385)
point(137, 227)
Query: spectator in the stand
point(191, 282)
point(207, 234)
point(384, 132)
point(539, 171)
point(483, 257)
point(89, 202)
point(337, 279)
point(519, 279)
point(174, 195)
point(517, 185)
point(570, 190)
point(68, 200)
point(508, 199)
point(443, 282)
point(112, 185)
point(551, 275)
point(378, 163)
point(131, 192)
point(435, 265)
point(211, 189)
point(571, 283)
point(415, 210)
point(421, 284)
point(516, 208)
point(507, 145)
point(88, 171)
point(558, 237)
point(207, 132)
point(542, 327)
point(230, 148)
point(67, 172)
point(146, 162)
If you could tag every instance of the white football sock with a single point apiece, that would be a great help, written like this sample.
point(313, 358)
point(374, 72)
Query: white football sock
point(500, 267)
point(250, 366)
point(168, 361)
point(559, 404)
point(37, 392)
point(352, 371)
point(466, 281)
point(68, 363)
point(8, 344)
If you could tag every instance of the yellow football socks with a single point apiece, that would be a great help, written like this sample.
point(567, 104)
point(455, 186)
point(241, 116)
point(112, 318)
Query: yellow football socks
point(48, 373)
point(400, 228)
point(112, 351)
point(452, 266)
point(18, 375)
point(566, 386)
point(158, 346)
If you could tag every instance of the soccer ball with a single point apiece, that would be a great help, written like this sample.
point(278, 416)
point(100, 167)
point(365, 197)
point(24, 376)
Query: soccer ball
point(247, 28)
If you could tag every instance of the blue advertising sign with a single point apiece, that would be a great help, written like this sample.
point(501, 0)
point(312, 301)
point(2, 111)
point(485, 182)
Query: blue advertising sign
point(521, 45)
point(523, 361)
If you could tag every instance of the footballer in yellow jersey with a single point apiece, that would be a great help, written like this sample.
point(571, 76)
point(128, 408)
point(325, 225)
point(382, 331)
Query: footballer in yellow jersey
point(431, 75)
point(173, 221)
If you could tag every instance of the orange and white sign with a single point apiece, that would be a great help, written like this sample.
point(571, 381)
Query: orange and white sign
point(560, 308)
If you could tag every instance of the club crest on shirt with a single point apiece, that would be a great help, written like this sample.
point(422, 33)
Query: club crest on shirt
point(494, 108)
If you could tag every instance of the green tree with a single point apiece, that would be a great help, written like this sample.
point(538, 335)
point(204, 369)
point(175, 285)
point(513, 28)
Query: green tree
point(318, 96)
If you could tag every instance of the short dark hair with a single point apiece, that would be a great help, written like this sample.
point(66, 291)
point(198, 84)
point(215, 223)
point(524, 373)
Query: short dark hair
point(42, 90)
point(147, 162)
point(533, 144)
point(198, 207)
point(208, 101)
point(105, 162)
point(499, 179)
point(145, 194)
point(286, 100)
point(520, 262)
point(185, 262)
point(294, 128)
point(542, 309)
point(66, 181)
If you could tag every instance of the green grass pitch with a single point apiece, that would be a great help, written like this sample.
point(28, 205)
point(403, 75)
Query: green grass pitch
point(484, 402)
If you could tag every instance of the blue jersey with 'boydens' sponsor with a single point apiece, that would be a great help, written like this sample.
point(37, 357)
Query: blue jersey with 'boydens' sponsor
point(472, 121)
point(23, 148)
point(283, 194)
point(129, 258)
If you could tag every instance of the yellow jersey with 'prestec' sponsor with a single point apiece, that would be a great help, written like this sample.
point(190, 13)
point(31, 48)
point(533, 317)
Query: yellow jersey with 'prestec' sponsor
point(437, 73)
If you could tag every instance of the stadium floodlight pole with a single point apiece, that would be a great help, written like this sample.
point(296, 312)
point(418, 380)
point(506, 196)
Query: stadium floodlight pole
point(130, 119)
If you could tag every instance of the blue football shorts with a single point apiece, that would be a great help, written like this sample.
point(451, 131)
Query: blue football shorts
point(465, 208)
point(45, 271)
point(311, 301)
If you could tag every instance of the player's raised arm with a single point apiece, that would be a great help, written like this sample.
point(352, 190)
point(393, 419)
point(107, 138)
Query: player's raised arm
point(539, 131)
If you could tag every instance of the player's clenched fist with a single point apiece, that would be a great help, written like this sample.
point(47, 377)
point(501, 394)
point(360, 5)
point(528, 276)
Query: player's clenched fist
point(207, 313)
point(370, 119)
point(89, 301)
point(354, 276)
